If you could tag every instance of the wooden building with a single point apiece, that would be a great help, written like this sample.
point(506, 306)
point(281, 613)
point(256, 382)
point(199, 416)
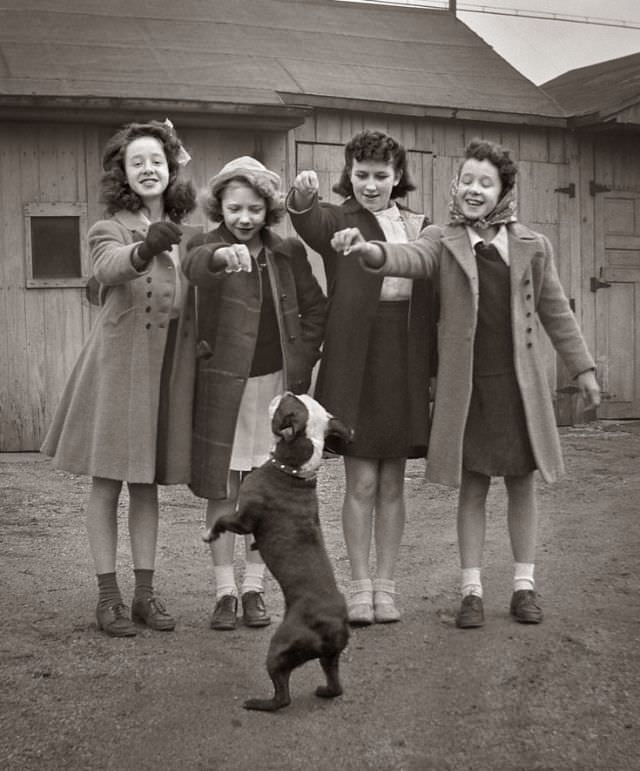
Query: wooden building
point(289, 82)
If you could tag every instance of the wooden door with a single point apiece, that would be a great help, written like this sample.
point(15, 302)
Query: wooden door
point(327, 160)
point(617, 288)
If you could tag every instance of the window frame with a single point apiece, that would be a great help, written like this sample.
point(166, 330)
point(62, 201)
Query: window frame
point(56, 209)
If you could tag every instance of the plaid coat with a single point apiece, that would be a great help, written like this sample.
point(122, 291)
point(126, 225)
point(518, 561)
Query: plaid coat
point(537, 300)
point(228, 317)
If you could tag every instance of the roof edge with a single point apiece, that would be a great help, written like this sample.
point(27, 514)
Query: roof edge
point(419, 111)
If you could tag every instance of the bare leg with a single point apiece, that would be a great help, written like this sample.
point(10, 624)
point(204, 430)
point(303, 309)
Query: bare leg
point(361, 477)
point(102, 523)
point(472, 518)
point(522, 517)
point(143, 524)
point(390, 515)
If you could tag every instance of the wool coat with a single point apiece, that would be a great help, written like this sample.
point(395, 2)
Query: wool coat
point(537, 299)
point(228, 317)
point(106, 422)
point(354, 295)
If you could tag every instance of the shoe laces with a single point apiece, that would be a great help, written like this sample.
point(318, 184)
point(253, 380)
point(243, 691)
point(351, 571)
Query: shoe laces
point(157, 606)
point(120, 610)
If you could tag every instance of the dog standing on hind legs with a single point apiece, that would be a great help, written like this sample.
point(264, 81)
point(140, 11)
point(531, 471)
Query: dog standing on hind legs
point(278, 503)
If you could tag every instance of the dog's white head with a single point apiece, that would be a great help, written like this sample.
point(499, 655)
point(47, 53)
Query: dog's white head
point(300, 425)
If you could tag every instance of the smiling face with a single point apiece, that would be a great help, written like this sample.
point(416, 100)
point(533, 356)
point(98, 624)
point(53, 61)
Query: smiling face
point(372, 183)
point(244, 212)
point(146, 167)
point(479, 188)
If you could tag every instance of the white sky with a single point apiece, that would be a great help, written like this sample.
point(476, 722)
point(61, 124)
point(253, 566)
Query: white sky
point(541, 50)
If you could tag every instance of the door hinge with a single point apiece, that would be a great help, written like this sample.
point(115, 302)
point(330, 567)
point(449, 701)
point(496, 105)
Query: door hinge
point(569, 190)
point(595, 187)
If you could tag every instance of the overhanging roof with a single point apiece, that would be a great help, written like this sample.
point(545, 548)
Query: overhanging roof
point(270, 57)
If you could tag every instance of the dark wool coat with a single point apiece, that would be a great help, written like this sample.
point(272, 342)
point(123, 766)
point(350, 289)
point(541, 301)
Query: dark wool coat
point(537, 299)
point(228, 319)
point(354, 295)
point(106, 422)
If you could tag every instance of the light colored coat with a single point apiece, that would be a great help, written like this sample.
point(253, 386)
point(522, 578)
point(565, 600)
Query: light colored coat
point(537, 297)
point(106, 423)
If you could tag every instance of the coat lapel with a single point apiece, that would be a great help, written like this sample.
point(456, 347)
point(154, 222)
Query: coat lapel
point(457, 242)
point(523, 246)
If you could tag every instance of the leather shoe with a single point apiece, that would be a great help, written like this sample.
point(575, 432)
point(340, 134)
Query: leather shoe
point(114, 620)
point(471, 613)
point(524, 607)
point(223, 617)
point(152, 612)
point(253, 610)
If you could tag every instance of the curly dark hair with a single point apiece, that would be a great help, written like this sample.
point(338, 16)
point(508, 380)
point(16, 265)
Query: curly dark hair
point(370, 145)
point(211, 200)
point(115, 193)
point(485, 149)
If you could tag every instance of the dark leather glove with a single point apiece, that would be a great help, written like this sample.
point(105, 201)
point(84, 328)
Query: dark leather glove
point(161, 236)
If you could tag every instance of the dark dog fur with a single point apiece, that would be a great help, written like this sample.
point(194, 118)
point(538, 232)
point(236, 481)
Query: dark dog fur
point(281, 510)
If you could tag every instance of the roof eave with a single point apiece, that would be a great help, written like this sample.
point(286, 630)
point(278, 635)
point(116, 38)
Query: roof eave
point(189, 113)
point(421, 111)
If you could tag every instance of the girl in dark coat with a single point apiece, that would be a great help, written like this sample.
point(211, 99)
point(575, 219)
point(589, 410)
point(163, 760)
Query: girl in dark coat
point(125, 414)
point(376, 361)
point(261, 320)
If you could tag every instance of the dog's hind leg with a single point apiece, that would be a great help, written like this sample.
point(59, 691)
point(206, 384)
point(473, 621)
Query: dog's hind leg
point(333, 687)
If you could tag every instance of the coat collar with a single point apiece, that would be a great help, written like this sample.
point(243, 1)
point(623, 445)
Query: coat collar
point(523, 246)
point(134, 221)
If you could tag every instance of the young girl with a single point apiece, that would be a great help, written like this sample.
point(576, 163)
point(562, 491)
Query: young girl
point(376, 361)
point(261, 320)
point(493, 412)
point(125, 413)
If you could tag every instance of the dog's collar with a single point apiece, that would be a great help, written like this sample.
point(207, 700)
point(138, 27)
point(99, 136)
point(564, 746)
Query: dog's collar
point(292, 471)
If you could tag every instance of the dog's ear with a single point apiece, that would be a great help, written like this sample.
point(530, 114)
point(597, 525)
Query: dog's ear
point(337, 428)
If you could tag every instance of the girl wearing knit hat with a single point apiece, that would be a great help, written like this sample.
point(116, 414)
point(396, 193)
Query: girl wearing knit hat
point(261, 320)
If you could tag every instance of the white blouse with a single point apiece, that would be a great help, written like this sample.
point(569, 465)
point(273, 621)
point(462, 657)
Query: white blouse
point(394, 288)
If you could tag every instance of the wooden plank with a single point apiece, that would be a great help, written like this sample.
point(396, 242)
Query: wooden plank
point(533, 145)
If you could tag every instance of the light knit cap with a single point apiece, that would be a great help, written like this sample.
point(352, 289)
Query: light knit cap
point(249, 168)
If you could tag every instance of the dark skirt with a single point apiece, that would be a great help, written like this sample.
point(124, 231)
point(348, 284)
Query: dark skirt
point(382, 427)
point(496, 439)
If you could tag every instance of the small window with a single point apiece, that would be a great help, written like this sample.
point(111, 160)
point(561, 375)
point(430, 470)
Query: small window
point(56, 253)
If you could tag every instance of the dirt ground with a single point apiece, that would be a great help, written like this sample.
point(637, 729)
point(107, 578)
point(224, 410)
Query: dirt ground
point(419, 695)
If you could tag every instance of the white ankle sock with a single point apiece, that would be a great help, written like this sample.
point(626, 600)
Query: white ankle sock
point(470, 582)
point(523, 576)
point(253, 577)
point(225, 581)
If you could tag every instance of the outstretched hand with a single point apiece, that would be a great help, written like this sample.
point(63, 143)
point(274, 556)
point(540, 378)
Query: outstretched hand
point(235, 257)
point(160, 237)
point(305, 187)
point(350, 241)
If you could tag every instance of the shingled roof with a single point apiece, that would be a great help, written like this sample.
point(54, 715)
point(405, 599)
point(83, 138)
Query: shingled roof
point(274, 56)
point(607, 93)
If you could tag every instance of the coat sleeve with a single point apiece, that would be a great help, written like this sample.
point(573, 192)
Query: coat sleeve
point(416, 259)
point(558, 319)
point(197, 264)
point(316, 226)
point(312, 304)
point(111, 254)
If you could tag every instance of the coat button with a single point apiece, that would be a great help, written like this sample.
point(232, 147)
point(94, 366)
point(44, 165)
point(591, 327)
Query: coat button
point(528, 314)
point(529, 330)
point(149, 294)
point(148, 279)
point(147, 325)
point(527, 282)
point(283, 296)
point(528, 297)
point(292, 338)
point(147, 309)
point(529, 345)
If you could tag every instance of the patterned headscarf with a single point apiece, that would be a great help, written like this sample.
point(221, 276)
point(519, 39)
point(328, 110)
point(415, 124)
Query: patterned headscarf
point(506, 210)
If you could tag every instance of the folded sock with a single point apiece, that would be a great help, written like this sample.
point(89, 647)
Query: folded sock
point(144, 583)
point(470, 582)
point(523, 576)
point(253, 580)
point(225, 581)
point(108, 591)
